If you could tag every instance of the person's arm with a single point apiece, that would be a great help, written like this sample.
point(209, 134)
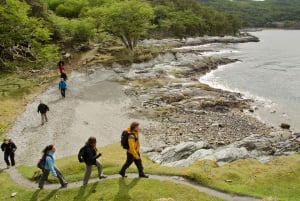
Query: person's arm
point(47, 108)
point(14, 147)
point(2, 147)
point(89, 154)
point(131, 143)
point(97, 156)
point(50, 164)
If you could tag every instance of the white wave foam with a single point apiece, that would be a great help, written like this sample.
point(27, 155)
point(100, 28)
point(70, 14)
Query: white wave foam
point(214, 81)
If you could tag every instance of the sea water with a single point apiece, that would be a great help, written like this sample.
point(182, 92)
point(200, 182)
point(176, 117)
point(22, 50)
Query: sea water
point(268, 72)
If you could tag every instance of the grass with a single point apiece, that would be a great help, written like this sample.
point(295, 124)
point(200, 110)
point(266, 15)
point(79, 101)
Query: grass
point(107, 190)
point(278, 178)
point(16, 90)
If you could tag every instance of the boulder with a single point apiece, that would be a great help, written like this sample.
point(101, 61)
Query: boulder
point(230, 154)
point(179, 152)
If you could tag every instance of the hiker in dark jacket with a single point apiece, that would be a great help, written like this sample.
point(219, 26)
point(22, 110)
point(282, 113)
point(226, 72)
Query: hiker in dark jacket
point(63, 87)
point(50, 167)
point(88, 154)
point(43, 109)
point(64, 76)
point(9, 148)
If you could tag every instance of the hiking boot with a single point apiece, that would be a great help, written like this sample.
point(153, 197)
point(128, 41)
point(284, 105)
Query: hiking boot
point(102, 177)
point(143, 176)
point(64, 185)
point(123, 174)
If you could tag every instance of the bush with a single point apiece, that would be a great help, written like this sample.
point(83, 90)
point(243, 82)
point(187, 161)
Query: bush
point(82, 31)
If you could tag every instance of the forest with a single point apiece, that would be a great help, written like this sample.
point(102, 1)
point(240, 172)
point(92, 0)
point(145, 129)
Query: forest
point(268, 13)
point(32, 32)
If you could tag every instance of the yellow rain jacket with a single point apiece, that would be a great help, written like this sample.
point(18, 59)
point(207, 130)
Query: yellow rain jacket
point(134, 143)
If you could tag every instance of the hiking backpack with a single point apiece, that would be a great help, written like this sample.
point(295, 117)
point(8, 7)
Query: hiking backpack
point(42, 161)
point(81, 154)
point(124, 139)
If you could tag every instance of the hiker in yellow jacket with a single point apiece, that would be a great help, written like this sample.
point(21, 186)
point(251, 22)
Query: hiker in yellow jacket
point(133, 153)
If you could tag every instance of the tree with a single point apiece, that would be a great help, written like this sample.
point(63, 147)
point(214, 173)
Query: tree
point(21, 36)
point(127, 20)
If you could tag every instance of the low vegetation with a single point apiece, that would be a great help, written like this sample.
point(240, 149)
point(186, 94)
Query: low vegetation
point(278, 179)
point(16, 90)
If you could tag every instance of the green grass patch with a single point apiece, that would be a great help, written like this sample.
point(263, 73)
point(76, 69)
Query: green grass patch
point(106, 190)
point(278, 178)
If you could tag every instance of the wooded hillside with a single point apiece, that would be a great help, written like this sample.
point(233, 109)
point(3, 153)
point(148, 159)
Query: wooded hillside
point(32, 31)
point(268, 13)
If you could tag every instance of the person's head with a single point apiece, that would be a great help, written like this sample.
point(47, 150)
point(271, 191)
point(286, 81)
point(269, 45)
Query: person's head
point(92, 141)
point(134, 126)
point(61, 63)
point(5, 140)
point(49, 148)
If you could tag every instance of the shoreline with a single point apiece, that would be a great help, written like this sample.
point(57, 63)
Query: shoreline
point(190, 111)
point(166, 97)
point(259, 103)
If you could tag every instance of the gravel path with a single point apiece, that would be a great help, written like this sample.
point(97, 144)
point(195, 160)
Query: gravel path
point(93, 106)
point(15, 175)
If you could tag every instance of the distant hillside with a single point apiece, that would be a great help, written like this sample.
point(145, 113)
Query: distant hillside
point(268, 13)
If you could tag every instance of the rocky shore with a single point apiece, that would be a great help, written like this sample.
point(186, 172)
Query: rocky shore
point(192, 120)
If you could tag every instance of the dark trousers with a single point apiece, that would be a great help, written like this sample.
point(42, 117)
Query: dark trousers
point(45, 175)
point(11, 155)
point(130, 159)
point(63, 92)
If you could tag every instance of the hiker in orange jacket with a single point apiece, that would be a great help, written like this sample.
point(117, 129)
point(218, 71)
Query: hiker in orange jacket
point(133, 153)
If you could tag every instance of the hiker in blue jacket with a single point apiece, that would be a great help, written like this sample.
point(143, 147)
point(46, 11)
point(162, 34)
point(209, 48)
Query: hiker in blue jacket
point(63, 87)
point(50, 167)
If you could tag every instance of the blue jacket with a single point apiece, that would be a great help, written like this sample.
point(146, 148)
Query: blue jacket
point(62, 85)
point(49, 165)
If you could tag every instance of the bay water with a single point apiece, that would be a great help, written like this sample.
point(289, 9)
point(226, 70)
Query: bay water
point(267, 72)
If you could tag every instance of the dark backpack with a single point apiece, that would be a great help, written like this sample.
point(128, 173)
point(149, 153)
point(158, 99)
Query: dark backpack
point(81, 154)
point(124, 139)
point(42, 161)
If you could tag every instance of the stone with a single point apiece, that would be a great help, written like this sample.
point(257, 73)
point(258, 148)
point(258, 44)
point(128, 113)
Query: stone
point(13, 194)
point(231, 154)
point(285, 126)
point(249, 146)
point(179, 152)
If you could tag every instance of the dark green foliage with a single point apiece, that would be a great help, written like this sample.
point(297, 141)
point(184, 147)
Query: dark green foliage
point(31, 29)
point(189, 18)
point(82, 31)
point(70, 8)
point(23, 37)
point(269, 13)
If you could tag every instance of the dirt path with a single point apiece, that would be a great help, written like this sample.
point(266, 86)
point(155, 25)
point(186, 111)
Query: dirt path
point(93, 106)
point(20, 180)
